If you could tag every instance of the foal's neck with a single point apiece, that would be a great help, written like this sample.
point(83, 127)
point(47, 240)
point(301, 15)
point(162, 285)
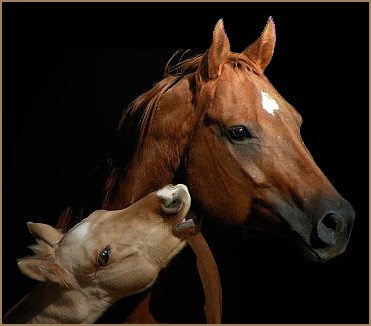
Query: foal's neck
point(49, 303)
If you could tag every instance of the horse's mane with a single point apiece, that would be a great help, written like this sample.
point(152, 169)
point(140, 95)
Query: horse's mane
point(137, 116)
point(131, 128)
point(130, 131)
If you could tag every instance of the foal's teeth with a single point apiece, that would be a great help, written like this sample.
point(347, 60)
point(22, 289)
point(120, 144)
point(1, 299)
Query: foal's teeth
point(186, 228)
point(185, 224)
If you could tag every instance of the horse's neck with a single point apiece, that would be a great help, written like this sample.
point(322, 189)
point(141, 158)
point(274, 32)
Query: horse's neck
point(135, 186)
point(144, 175)
point(159, 154)
point(49, 303)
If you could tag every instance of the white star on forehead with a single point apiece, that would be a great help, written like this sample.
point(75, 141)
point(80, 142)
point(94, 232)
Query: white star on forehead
point(268, 103)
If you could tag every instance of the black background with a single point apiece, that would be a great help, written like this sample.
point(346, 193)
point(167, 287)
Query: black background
point(70, 69)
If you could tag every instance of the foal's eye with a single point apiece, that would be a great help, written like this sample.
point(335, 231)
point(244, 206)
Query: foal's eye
point(239, 133)
point(104, 255)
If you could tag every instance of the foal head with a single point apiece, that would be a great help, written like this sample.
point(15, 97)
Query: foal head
point(116, 253)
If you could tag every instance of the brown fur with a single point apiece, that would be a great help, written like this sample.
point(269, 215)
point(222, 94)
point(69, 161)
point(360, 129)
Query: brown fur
point(270, 181)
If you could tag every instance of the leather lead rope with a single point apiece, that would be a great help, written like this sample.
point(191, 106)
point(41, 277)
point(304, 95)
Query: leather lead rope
point(209, 274)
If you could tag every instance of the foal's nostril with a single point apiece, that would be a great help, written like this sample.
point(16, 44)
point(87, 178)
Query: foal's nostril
point(172, 206)
point(174, 198)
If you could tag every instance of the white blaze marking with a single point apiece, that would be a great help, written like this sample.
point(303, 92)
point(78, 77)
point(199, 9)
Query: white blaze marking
point(268, 103)
point(81, 231)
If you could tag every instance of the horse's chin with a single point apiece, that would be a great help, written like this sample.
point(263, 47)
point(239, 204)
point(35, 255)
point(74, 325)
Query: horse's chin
point(312, 255)
point(315, 253)
point(320, 255)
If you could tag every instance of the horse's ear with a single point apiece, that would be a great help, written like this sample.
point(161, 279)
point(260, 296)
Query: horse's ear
point(218, 50)
point(45, 232)
point(261, 51)
point(45, 271)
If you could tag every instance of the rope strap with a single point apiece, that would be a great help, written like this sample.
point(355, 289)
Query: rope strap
point(209, 274)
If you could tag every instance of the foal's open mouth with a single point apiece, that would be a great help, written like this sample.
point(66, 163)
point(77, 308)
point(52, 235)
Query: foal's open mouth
point(190, 225)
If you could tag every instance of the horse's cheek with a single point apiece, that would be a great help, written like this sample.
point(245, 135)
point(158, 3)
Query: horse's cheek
point(217, 185)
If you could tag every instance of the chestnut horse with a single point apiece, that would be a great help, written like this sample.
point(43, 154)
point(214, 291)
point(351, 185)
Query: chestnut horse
point(215, 123)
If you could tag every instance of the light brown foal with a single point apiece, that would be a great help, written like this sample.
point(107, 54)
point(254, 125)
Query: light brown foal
point(107, 256)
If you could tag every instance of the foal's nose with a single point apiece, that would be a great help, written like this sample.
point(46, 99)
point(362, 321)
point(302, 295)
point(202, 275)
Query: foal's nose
point(174, 198)
point(334, 227)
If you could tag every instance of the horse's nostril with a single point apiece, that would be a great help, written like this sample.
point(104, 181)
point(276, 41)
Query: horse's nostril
point(330, 221)
point(330, 234)
point(328, 230)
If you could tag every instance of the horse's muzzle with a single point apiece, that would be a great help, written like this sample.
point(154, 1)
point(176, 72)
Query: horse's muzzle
point(331, 234)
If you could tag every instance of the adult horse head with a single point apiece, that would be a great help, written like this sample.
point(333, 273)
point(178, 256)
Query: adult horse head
point(216, 123)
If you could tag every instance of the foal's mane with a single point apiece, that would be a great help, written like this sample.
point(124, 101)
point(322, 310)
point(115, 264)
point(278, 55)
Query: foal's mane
point(137, 117)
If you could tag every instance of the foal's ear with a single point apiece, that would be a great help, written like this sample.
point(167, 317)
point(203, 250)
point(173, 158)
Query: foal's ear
point(218, 50)
point(45, 232)
point(261, 51)
point(45, 271)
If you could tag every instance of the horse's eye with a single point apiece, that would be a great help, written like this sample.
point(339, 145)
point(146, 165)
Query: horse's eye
point(239, 133)
point(103, 257)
